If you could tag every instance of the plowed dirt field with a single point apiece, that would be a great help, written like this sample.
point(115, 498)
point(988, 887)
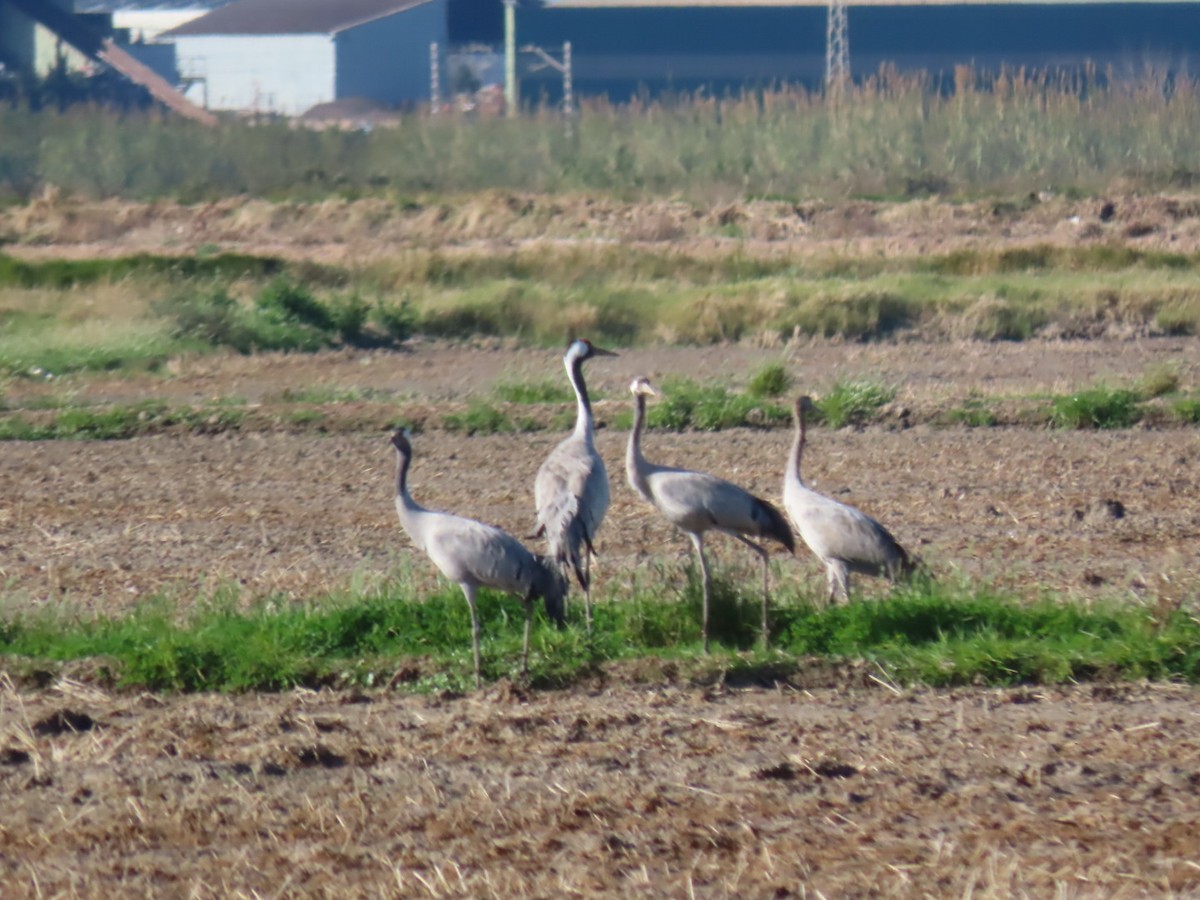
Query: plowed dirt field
point(640, 782)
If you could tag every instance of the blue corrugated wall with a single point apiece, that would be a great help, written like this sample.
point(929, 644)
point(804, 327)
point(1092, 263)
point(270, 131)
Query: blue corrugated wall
point(621, 51)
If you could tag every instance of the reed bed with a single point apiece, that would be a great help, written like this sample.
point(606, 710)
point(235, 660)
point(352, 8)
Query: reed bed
point(890, 135)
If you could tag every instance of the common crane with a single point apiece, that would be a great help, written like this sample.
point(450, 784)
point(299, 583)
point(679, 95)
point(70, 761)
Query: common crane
point(475, 555)
point(571, 487)
point(696, 502)
point(844, 539)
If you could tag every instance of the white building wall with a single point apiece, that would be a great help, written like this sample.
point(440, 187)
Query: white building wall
point(285, 74)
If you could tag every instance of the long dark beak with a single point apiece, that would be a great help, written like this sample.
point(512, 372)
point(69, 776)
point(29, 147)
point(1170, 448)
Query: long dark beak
point(600, 351)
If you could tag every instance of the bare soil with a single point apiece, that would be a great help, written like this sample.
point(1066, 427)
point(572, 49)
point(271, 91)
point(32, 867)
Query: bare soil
point(642, 781)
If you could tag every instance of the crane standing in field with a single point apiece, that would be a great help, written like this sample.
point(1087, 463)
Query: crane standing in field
point(571, 488)
point(475, 555)
point(843, 538)
point(696, 502)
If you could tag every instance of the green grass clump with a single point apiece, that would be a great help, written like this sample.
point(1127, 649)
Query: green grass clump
point(117, 422)
point(772, 380)
point(480, 417)
point(853, 402)
point(974, 412)
point(545, 391)
point(923, 632)
point(1187, 409)
point(941, 636)
point(685, 405)
point(1098, 407)
point(285, 315)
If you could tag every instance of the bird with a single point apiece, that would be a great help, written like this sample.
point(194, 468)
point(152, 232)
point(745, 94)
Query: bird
point(475, 555)
point(571, 488)
point(696, 502)
point(844, 539)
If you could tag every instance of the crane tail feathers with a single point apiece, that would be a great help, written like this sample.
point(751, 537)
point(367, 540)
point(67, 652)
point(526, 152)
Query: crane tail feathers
point(776, 525)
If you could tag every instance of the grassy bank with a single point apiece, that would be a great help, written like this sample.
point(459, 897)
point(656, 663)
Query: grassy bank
point(892, 136)
point(924, 633)
point(60, 317)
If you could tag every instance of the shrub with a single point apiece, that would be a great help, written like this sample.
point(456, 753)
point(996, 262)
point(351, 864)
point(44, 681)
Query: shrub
point(349, 315)
point(1098, 407)
point(685, 405)
point(1187, 409)
point(397, 321)
point(852, 402)
point(771, 380)
point(286, 301)
point(209, 317)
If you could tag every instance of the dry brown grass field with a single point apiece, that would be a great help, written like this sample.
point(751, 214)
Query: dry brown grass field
point(838, 783)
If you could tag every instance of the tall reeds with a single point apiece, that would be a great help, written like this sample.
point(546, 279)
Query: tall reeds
point(891, 135)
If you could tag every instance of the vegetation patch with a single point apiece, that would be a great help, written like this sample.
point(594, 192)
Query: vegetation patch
point(481, 417)
point(117, 422)
point(685, 405)
point(921, 633)
point(546, 390)
point(772, 380)
point(1098, 407)
point(853, 402)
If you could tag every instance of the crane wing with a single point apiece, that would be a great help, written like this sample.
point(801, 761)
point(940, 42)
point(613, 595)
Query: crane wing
point(571, 489)
point(470, 551)
point(837, 531)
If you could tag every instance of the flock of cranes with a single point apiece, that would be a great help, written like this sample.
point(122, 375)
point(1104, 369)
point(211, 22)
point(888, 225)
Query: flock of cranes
point(571, 494)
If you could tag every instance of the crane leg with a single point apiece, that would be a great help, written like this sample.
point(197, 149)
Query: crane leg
point(587, 588)
point(839, 580)
point(525, 646)
point(698, 541)
point(764, 556)
point(470, 595)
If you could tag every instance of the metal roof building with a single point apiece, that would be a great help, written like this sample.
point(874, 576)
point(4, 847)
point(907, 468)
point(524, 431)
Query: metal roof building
point(286, 56)
point(622, 47)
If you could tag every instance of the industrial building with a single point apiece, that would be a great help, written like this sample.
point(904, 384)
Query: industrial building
point(623, 47)
point(286, 56)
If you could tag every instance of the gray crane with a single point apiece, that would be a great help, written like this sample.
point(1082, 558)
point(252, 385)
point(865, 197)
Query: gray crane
point(475, 555)
point(571, 488)
point(696, 502)
point(844, 539)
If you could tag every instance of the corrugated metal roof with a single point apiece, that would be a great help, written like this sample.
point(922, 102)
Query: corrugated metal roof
point(620, 4)
point(291, 16)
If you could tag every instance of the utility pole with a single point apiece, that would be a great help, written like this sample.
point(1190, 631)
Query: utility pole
point(510, 58)
point(837, 49)
point(435, 80)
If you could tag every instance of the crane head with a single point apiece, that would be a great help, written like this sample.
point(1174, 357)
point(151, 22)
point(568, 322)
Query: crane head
point(400, 440)
point(551, 585)
point(581, 349)
point(804, 404)
point(640, 387)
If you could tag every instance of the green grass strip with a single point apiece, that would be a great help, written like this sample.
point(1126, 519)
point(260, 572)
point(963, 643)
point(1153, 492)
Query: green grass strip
point(925, 633)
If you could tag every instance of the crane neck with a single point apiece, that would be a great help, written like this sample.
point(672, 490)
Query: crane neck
point(635, 463)
point(584, 425)
point(798, 441)
point(405, 504)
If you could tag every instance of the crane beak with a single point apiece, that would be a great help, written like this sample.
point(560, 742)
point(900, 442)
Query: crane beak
point(600, 351)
